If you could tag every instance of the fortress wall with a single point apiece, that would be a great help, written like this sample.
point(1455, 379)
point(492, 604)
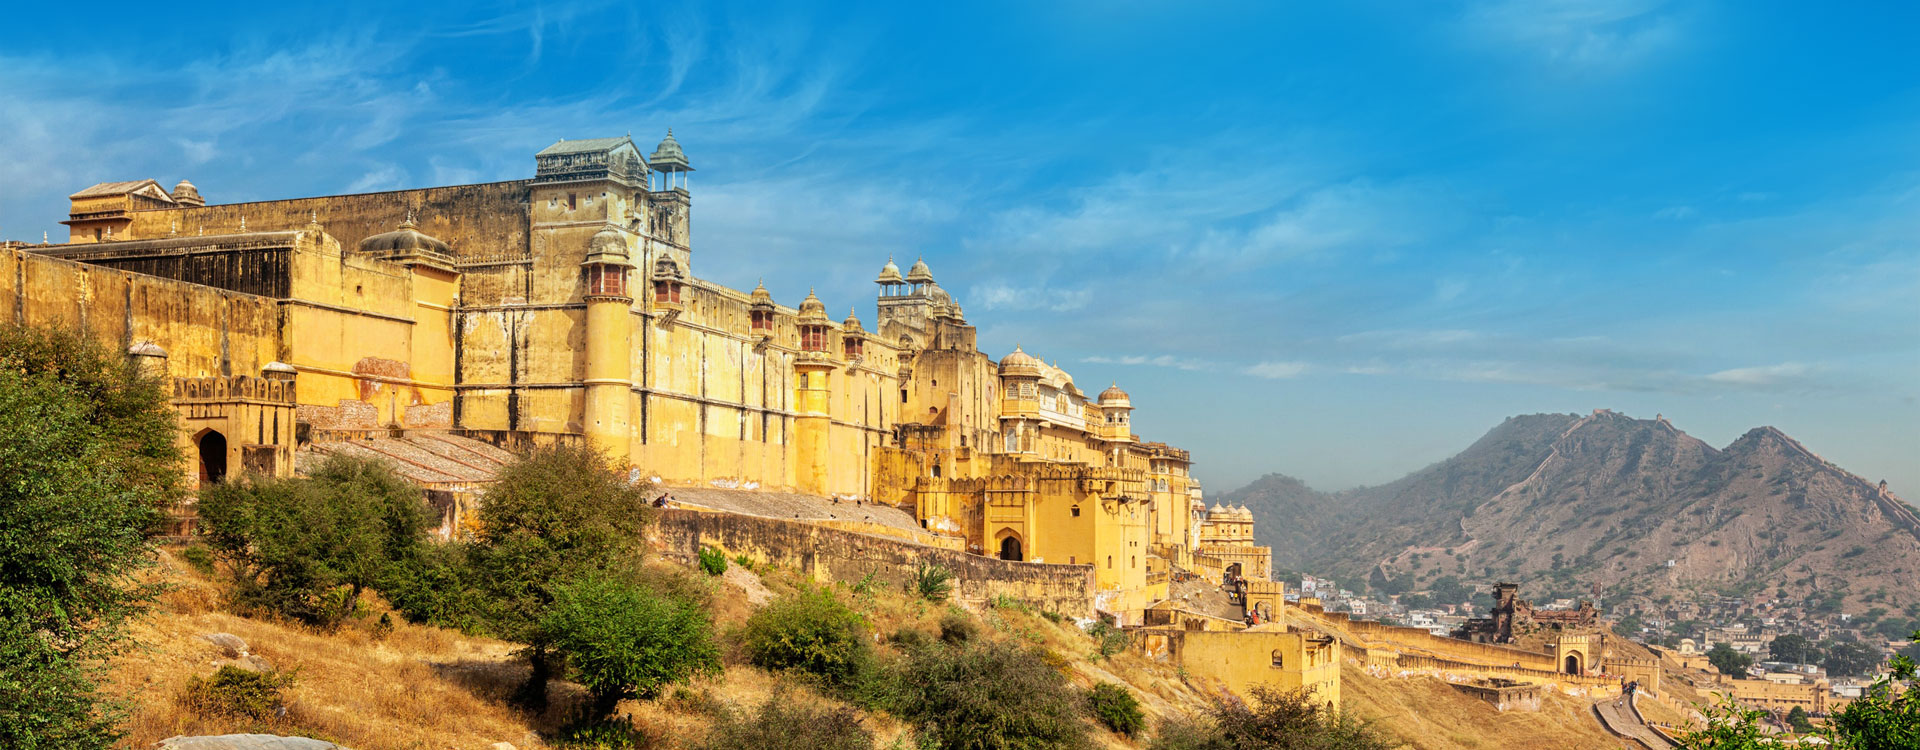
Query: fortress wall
point(836, 555)
point(206, 331)
point(481, 221)
point(1446, 648)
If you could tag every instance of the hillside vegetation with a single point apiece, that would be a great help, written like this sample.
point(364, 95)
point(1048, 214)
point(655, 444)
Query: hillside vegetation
point(1566, 503)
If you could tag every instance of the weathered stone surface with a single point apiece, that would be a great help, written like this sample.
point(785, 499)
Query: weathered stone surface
point(246, 742)
point(229, 644)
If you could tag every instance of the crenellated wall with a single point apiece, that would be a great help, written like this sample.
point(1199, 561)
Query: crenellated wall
point(835, 555)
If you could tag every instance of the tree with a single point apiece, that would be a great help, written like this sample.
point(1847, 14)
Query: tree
point(1851, 659)
point(553, 516)
point(88, 466)
point(1881, 720)
point(1289, 720)
point(1730, 662)
point(1729, 726)
point(1794, 648)
point(1797, 718)
point(624, 641)
point(307, 547)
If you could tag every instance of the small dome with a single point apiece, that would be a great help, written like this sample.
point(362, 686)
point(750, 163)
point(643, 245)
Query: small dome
point(939, 296)
point(147, 349)
point(186, 193)
point(1113, 396)
point(669, 157)
point(920, 274)
point(405, 240)
point(812, 310)
point(761, 298)
point(852, 323)
point(1217, 510)
point(1244, 512)
point(1019, 364)
point(278, 368)
point(889, 273)
point(607, 244)
point(667, 268)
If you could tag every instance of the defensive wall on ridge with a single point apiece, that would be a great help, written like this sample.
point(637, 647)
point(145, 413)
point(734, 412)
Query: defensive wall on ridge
point(831, 554)
point(1393, 651)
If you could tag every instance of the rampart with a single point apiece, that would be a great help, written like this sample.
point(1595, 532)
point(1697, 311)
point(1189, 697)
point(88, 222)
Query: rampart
point(830, 554)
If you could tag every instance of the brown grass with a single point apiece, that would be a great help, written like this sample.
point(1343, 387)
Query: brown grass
point(1428, 714)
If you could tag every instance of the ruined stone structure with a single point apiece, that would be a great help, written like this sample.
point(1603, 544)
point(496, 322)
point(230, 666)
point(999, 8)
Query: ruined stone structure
point(1513, 618)
point(565, 307)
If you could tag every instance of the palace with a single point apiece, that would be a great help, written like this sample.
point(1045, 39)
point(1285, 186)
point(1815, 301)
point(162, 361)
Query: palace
point(565, 307)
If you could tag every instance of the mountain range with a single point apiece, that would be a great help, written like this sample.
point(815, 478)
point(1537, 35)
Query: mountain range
point(1607, 505)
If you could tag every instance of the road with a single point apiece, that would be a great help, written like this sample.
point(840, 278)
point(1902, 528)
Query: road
point(1620, 718)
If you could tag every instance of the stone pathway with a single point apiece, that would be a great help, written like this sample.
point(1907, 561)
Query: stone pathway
point(1619, 717)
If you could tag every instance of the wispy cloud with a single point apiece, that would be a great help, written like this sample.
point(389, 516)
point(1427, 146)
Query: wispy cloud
point(1161, 360)
point(1277, 370)
point(1588, 33)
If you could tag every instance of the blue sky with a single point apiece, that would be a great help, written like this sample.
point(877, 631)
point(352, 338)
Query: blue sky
point(1335, 242)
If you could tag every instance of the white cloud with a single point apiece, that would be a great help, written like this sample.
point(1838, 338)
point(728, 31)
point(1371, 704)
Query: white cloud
point(1163, 360)
point(1277, 370)
point(1001, 296)
point(1674, 213)
point(1764, 377)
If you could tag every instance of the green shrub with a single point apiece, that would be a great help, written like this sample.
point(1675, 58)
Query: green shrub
point(437, 585)
point(713, 561)
point(1108, 640)
point(1116, 707)
point(910, 638)
point(601, 733)
point(624, 641)
point(989, 695)
point(957, 628)
point(743, 561)
point(306, 548)
point(199, 558)
point(233, 691)
point(1273, 718)
point(782, 723)
point(932, 582)
point(809, 631)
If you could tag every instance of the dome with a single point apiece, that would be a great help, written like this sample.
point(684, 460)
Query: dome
point(1217, 510)
point(147, 349)
point(1019, 364)
point(1113, 396)
point(812, 310)
point(186, 193)
point(920, 274)
point(408, 240)
point(940, 296)
point(852, 323)
point(668, 157)
point(761, 298)
point(889, 273)
point(1244, 512)
point(608, 245)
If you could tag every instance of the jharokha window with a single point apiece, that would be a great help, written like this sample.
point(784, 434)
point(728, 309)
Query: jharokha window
point(762, 320)
point(666, 291)
point(813, 338)
point(854, 347)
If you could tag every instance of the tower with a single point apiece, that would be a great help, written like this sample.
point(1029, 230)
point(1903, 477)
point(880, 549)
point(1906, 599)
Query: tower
point(813, 372)
point(671, 204)
point(609, 341)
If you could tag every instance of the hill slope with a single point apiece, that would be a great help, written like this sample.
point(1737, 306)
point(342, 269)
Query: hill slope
point(1570, 503)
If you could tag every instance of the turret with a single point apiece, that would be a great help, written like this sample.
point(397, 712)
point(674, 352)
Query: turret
point(813, 374)
point(670, 165)
point(760, 310)
point(609, 342)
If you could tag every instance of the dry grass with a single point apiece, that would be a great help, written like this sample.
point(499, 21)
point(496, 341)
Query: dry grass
point(1428, 714)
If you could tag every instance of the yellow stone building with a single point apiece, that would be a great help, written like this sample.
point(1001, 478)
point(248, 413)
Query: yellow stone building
point(565, 307)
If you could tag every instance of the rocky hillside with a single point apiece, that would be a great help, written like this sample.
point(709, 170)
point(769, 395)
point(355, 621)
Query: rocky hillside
point(1569, 504)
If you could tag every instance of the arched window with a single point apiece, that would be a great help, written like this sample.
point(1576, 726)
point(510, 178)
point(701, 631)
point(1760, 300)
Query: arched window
point(213, 457)
point(1279, 660)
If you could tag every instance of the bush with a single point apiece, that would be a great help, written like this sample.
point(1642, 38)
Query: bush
point(233, 691)
point(989, 695)
point(1116, 707)
point(584, 733)
point(782, 723)
point(1275, 718)
point(932, 582)
point(1108, 640)
point(306, 548)
point(88, 466)
point(957, 628)
point(199, 558)
point(713, 561)
point(623, 641)
point(809, 631)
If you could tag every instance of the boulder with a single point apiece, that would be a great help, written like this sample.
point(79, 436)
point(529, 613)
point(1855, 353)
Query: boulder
point(246, 742)
point(229, 644)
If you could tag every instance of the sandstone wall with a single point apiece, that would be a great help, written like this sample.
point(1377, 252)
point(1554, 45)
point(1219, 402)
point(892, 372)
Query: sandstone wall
point(843, 556)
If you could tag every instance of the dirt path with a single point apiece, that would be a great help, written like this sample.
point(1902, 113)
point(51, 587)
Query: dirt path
point(1620, 718)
